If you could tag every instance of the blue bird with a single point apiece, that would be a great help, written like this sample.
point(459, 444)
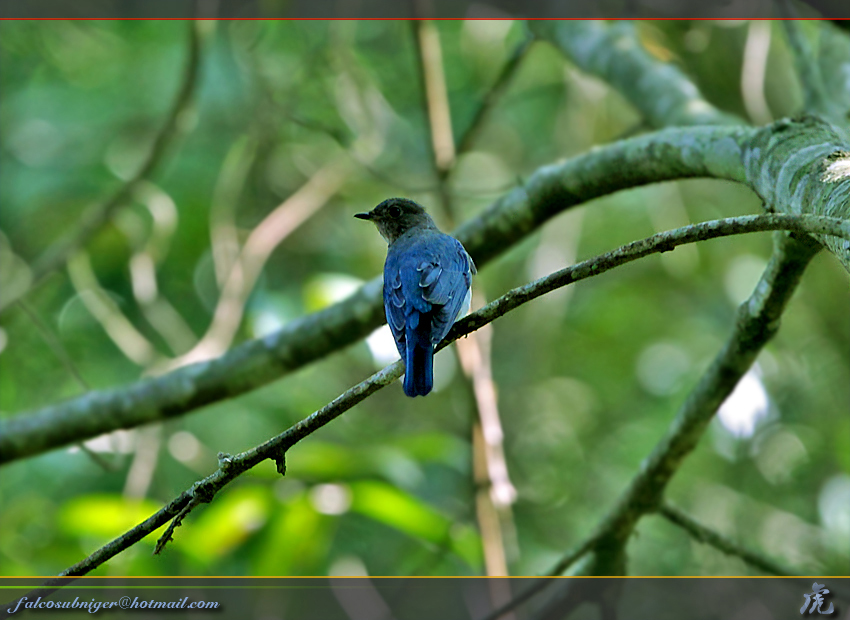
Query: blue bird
point(427, 280)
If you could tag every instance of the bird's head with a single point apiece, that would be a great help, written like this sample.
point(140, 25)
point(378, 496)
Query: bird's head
point(395, 216)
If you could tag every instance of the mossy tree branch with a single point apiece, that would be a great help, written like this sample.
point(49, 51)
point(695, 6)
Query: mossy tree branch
point(802, 166)
point(659, 90)
point(231, 467)
point(757, 322)
point(784, 163)
point(797, 166)
point(603, 552)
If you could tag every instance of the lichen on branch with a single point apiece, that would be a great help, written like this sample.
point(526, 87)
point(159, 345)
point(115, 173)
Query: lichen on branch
point(784, 163)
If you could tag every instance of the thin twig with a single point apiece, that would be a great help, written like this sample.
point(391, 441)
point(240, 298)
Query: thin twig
point(231, 467)
point(176, 522)
point(706, 535)
point(488, 101)
point(760, 159)
point(815, 97)
point(572, 556)
point(248, 266)
point(495, 492)
point(96, 217)
point(149, 250)
point(106, 311)
point(61, 353)
point(435, 93)
point(758, 321)
point(55, 344)
point(224, 238)
point(444, 148)
point(549, 191)
point(435, 101)
point(834, 63)
point(753, 70)
point(344, 138)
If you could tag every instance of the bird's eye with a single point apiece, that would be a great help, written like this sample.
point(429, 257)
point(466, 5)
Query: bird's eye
point(394, 211)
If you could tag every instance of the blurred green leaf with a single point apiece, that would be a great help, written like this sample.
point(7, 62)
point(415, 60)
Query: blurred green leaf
point(225, 523)
point(104, 516)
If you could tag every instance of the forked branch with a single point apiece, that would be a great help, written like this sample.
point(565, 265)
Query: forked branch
point(622, 519)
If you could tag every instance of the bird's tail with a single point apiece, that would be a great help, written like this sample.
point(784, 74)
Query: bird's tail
point(419, 361)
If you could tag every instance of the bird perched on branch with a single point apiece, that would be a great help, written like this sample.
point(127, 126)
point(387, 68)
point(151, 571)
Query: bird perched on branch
point(427, 280)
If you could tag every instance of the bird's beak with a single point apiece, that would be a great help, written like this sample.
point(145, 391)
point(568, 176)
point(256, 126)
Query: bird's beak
point(363, 216)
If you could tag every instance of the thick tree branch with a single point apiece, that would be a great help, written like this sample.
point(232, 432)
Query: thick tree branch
point(96, 217)
point(785, 163)
point(668, 155)
point(230, 467)
point(659, 90)
point(802, 166)
point(758, 321)
point(704, 534)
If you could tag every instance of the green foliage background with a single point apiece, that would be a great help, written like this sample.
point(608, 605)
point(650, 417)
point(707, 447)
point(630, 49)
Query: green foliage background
point(588, 378)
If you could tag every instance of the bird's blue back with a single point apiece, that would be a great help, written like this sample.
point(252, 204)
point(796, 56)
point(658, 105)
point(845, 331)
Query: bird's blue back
point(427, 279)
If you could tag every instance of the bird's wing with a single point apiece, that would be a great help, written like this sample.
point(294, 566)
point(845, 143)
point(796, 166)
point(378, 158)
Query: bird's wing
point(444, 281)
point(404, 300)
point(431, 275)
point(394, 305)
